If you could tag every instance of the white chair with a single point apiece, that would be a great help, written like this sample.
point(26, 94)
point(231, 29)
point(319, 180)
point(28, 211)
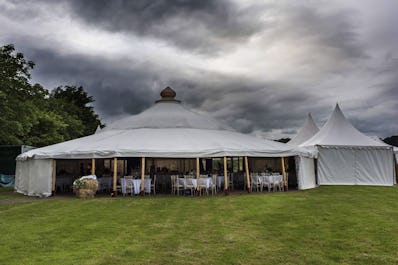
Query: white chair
point(255, 182)
point(127, 185)
point(189, 184)
point(179, 184)
point(204, 185)
point(153, 185)
point(280, 180)
point(173, 183)
point(266, 182)
point(231, 181)
point(213, 184)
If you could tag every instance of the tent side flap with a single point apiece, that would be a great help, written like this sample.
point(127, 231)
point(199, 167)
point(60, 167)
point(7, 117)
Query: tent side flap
point(33, 177)
point(355, 166)
point(306, 173)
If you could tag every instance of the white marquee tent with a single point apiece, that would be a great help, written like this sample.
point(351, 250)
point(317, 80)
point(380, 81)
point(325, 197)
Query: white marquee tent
point(305, 165)
point(308, 130)
point(166, 130)
point(348, 157)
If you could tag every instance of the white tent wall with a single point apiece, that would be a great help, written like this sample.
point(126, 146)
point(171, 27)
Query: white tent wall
point(22, 176)
point(33, 177)
point(305, 173)
point(355, 166)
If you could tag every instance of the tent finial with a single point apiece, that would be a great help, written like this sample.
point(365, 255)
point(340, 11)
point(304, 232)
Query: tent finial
point(168, 94)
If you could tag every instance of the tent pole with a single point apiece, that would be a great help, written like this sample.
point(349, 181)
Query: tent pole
point(197, 176)
point(225, 176)
point(142, 176)
point(53, 176)
point(284, 174)
point(92, 166)
point(114, 176)
point(249, 189)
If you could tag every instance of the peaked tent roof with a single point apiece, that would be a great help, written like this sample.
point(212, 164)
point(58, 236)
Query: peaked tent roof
point(308, 130)
point(165, 130)
point(338, 131)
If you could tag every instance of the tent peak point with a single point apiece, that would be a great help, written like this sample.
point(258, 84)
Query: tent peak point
point(167, 94)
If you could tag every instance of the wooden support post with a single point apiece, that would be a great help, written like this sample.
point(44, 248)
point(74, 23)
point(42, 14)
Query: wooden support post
point(92, 166)
point(197, 176)
point(114, 176)
point(284, 174)
point(249, 189)
point(225, 176)
point(53, 176)
point(142, 176)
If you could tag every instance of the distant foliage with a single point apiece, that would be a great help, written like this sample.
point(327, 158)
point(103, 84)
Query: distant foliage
point(392, 140)
point(31, 115)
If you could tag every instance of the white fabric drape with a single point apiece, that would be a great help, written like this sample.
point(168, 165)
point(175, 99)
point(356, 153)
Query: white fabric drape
point(33, 177)
point(355, 166)
point(306, 173)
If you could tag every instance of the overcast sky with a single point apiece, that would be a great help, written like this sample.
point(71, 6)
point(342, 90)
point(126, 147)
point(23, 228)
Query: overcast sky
point(260, 66)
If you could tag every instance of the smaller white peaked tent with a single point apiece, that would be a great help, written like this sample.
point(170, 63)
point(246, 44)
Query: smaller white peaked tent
point(306, 169)
point(348, 157)
point(396, 153)
point(308, 130)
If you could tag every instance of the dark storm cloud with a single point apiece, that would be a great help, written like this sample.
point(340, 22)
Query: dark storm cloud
point(204, 26)
point(116, 90)
point(335, 55)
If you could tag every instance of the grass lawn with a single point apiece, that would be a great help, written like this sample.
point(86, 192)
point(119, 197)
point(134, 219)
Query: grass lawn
point(327, 225)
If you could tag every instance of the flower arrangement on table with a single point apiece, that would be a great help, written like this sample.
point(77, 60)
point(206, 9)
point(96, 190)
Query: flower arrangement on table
point(85, 187)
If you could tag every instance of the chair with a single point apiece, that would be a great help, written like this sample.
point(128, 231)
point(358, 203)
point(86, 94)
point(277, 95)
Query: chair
point(189, 184)
point(231, 181)
point(173, 183)
point(266, 182)
point(204, 185)
point(176, 185)
point(153, 185)
point(278, 182)
point(213, 185)
point(127, 185)
point(255, 182)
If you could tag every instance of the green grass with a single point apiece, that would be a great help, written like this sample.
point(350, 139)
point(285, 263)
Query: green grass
point(327, 225)
point(7, 193)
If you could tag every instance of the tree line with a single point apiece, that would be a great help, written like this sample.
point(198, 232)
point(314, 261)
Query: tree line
point(32, 115)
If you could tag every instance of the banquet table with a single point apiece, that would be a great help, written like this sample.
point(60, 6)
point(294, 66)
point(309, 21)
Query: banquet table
point(203, 181)
point(137, 185)
point(220, 182)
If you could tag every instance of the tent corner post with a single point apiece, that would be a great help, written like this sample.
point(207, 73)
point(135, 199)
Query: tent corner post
point(225, 176)
point(197, 176)
point(93, 166)
point(114, 193)
point(53, 177)
point(248, 184)
point(142, 176)
point(284, 174)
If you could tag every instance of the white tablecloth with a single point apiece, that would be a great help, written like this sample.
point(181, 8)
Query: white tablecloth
point(137, 185)
point(271, 178)
point(203, 181)
point(220, 182)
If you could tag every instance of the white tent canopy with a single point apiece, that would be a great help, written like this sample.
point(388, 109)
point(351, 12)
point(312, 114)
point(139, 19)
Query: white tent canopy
point(166, 130)
point(308, 130)
point(305, 169)
point(348, 157)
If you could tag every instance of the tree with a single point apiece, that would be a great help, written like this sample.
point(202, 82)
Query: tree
point(33, 116)
point(19, 100)
point(392, 140)
point(75, 102)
